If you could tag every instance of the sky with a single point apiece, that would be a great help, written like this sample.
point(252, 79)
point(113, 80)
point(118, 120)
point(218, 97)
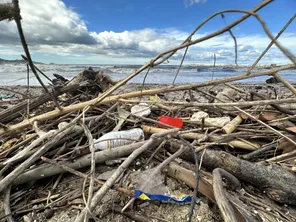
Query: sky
point(134, 31)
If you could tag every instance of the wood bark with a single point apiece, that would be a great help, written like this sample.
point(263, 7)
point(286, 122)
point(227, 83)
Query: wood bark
point(48, 170)
point(278, 183)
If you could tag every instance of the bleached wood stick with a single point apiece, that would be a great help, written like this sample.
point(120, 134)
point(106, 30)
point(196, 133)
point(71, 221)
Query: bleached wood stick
point(242, 144)
point(232, 125)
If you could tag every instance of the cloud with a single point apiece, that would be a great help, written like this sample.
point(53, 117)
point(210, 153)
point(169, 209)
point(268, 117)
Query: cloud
point(189, 3)
point(51, 22)
point(145, 40)
point(245, 48)
point(54, 29)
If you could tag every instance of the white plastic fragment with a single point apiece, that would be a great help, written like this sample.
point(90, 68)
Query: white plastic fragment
point(141, 110)
point(218, 121)
point(199, 115)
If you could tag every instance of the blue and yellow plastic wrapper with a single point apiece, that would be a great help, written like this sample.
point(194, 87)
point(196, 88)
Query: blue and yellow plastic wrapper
point(167, 198)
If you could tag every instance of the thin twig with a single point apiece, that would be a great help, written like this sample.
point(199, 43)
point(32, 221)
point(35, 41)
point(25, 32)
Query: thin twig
point(133, 216)
point(17, 19)
point(271, 43)
point(225, 29)
point(235, 46)
point(193, 202)
point(28, 79)
point(262, 150)
point(92, 169)
point(143, 83)
point(214, 67)
point(6, 204)
point(42, 73)
point(155, 151)
point(267, 126)
point(233, 37)
point(177, 73)
point(280, 157)
point(268, 33)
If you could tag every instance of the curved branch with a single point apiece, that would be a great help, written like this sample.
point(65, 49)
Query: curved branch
point(223, 203)
point(268, 33)
point(225, 29)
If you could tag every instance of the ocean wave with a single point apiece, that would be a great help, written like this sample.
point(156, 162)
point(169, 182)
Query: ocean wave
point(164, 74)
point(56, 68)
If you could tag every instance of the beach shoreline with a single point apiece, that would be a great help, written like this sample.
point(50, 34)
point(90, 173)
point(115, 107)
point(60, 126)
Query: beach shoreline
point(19, 91)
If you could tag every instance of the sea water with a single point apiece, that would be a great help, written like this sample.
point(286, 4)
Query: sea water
point(16, 74)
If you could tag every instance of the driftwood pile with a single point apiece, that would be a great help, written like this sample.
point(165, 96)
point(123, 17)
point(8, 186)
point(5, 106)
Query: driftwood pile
point(245, 165)
point(235, 149)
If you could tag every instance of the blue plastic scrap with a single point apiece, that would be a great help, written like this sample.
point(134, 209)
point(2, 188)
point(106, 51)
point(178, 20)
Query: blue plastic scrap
point(167, 198)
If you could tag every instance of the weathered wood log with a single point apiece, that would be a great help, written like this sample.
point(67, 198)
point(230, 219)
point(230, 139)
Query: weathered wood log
point(204, 185)
point(277, 182)
point(48, 170)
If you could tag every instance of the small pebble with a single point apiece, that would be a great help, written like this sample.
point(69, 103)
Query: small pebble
point(48, 213)
point(145, 204)
point(27, 218)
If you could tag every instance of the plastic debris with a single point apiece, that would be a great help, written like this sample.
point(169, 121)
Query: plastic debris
point(167, 198)
point(176, 122)
point(120, 138)
point(208, 121)
point(141, 110)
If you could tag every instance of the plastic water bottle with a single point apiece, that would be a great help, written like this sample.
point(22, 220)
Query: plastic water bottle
point(120, 138)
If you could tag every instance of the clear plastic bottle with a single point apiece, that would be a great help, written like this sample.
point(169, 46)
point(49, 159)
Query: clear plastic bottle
point(120, 138)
